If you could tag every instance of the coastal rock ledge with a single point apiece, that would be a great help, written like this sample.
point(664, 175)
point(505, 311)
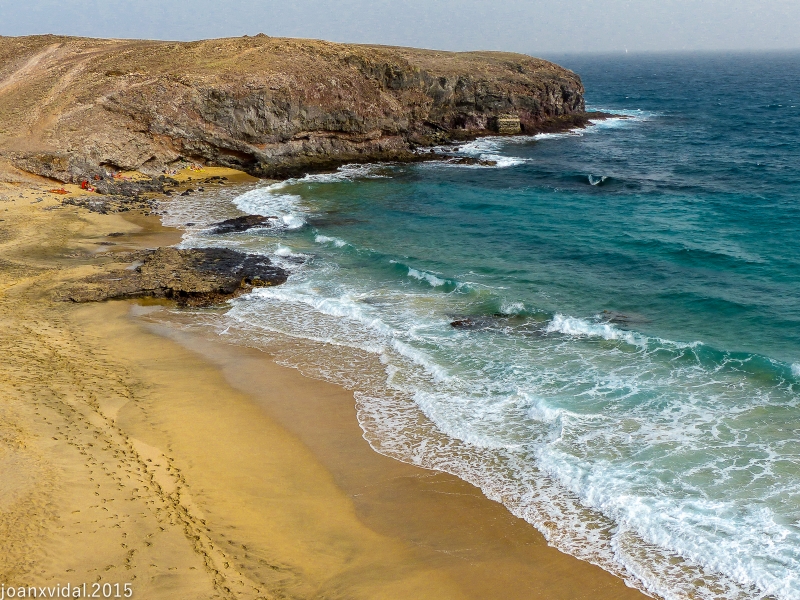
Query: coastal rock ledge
point(273, 107)
point(191, 277)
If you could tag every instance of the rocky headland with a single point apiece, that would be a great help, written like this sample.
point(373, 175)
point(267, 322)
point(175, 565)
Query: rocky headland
point(74, 108)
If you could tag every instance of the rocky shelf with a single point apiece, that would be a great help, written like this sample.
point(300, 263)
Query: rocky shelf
point(193, 277)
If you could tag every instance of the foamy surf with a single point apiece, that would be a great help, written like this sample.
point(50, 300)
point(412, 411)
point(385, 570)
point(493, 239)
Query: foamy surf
point(512, 308)
point(619, 118)
point(631, 533)
point(324, 239)
point(390, 409)
point(277, 200)
point(413, 407)
point(597, 180)
point(493, 149)
point(582, 327)
point(269, 201)
point(345, 173)
point(432, 279)
point(489, 149)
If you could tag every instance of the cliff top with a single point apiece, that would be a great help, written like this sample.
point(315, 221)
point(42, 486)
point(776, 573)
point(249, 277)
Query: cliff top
point(261, 54)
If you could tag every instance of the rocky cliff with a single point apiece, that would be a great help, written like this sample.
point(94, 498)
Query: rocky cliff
point(270, 106)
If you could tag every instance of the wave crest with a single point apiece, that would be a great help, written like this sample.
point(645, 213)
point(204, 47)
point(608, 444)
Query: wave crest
point(581, 327)
point(432, 279)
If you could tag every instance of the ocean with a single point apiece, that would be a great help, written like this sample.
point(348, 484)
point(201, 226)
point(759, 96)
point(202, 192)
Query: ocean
point(600, 329)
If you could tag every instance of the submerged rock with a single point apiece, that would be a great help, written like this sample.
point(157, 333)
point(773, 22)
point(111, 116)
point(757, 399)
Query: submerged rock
point(624, 319)
point(239, 224)
point(499, 322)
point(471, 160)
point(465, 323)
point(194, 277)
point(480, 321)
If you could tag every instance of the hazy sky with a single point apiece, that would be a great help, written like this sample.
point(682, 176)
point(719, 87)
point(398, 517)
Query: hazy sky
point(530, 26)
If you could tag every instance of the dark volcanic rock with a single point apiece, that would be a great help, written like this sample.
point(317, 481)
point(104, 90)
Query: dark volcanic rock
point(471, 160)
point(465, 323)
point(194, 277)
point(508, 323)
point(239, 224)
point(478, 321)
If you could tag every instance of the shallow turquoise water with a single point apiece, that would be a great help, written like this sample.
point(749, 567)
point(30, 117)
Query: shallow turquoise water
point(628, 376)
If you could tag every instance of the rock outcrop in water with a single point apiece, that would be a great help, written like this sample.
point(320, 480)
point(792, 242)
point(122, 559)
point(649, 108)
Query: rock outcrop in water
point(240, 224)
point(195, 277)
point(273, 107)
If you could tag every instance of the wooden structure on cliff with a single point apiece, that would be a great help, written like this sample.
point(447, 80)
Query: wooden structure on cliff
point(506, 124)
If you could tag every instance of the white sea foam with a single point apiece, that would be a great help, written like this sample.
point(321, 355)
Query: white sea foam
point(324, 239)
point(582, 327)
point(623, 118)
point(438, 373)
point(796, 369)
point(432, 279)
point(597, 181)
point(697, 529)
point(554, 465)
point(503, 162)
point(489, 149)
point(630, 533)
point(512, 308)
point(344, 306)
point(540, 411)
point(285, 252)
point(380, 334)
point(344, 173)
point(273, 200)
point(268, 201)
point(599, 488)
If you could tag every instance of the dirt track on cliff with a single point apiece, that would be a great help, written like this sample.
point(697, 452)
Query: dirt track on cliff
point(269, 106)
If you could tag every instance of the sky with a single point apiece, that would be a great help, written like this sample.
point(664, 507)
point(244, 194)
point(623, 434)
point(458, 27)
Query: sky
point(529, 26)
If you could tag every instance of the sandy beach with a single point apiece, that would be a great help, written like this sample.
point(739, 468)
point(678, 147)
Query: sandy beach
point(134, 452)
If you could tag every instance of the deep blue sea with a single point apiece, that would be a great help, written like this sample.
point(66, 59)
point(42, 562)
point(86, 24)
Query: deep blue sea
point(625, 369)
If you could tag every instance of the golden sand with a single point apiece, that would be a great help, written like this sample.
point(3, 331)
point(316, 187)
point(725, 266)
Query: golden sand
point(137, 453)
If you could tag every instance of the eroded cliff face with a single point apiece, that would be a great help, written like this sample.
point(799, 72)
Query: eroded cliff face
point(270, 106)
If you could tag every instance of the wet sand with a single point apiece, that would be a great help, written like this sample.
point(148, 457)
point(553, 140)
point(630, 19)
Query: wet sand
point(135, 452)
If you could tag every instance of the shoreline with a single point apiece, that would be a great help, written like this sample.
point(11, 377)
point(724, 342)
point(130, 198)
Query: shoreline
point(474, 540)
point(187, 493)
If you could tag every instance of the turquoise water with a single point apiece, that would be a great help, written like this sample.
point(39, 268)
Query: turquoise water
point(626, 375)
